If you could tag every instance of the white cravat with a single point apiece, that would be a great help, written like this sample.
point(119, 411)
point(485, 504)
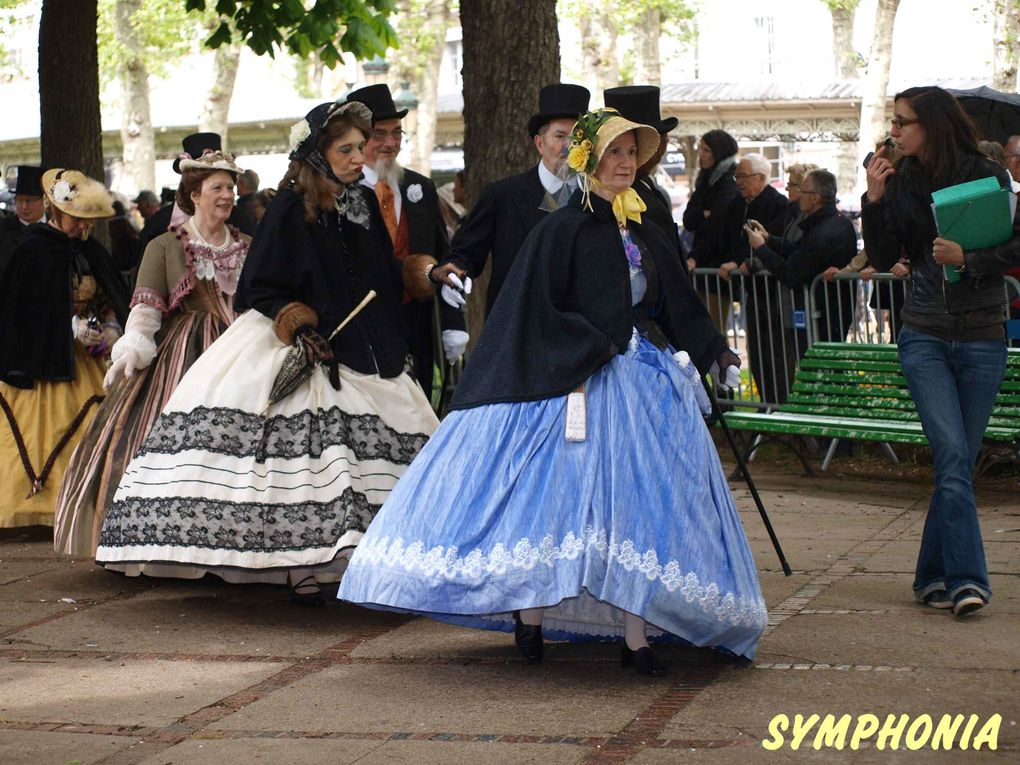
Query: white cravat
point(550, 182)
point(371, 178)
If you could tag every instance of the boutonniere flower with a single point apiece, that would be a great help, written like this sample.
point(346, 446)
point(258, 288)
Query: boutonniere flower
point(414, 192)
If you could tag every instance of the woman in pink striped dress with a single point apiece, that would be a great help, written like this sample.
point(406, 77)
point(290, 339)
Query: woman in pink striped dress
point(182, 302)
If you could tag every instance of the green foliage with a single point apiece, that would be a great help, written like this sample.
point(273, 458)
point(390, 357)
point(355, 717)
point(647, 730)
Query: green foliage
point(166, 32)
point(327, 28)
point(418, 38)
point(627, 15)
point(842, 5)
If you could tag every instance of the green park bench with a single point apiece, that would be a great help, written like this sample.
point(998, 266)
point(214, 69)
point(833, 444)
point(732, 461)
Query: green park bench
point(858, 392)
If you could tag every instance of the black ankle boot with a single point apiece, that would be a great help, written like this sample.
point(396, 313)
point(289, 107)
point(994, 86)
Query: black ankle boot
point(529, 639)
point(643, 660)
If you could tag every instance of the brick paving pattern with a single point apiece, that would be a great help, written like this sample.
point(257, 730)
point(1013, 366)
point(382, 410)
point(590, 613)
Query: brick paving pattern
point(96, 668)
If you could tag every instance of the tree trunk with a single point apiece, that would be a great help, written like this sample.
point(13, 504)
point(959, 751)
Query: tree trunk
point(500, 94)
point(598, 48)
point(647, 35)
point(1006, 37)
point(216, 108)
point(843, 41)
point(874, 124)
point(136, 123)
point(428, 83)
point(70, 128)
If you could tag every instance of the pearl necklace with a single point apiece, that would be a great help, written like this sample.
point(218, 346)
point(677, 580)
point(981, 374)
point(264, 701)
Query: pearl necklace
point(199, 239)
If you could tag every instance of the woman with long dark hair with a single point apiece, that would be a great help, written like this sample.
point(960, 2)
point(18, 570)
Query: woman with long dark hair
point(952, 346)
point(240, 478)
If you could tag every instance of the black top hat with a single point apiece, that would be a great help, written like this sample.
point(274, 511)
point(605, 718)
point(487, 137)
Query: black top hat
point(379, 99)
point(195, 144)
point(167, 195)
point(29, 181)
point(640, 103)
point(558, 101)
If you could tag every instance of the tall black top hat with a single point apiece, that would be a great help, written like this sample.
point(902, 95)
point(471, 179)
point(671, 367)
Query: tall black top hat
point(196, 143)
point(379, 99)
point(640, 103)
point(558, 101)
point(29, 181)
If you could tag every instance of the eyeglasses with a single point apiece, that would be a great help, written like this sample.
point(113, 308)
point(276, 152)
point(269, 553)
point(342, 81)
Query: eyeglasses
point(382, 135)
point(809, 191)
point(745, 176)
point(899, 123)
point(792, 185)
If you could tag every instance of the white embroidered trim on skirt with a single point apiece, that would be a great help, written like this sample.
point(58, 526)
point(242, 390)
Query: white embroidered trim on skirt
point(448, 563)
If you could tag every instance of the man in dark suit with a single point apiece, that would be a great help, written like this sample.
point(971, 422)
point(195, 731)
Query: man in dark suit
point(28, 209)
point(640, 103)
point(410, 207)
point(508, 209)
point(244, 216)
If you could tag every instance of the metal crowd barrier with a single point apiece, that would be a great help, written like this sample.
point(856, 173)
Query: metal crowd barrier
point(772, 326)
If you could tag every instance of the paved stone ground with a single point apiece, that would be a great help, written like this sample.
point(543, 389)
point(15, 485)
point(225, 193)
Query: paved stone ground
point(96, 668)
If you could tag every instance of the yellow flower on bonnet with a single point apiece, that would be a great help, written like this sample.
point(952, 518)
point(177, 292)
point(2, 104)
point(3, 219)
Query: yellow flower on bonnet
point(590, 138)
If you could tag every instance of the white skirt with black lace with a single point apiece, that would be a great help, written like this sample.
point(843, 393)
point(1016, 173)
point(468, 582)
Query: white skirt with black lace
point(226, 486)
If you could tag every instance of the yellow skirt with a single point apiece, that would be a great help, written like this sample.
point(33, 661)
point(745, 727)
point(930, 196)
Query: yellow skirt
point(43, 415)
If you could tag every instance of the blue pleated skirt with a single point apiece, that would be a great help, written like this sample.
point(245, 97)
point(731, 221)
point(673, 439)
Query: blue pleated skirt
point(500, 512)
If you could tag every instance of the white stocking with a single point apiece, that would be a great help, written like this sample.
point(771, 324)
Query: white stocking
point(532, 616)
point(634, 627)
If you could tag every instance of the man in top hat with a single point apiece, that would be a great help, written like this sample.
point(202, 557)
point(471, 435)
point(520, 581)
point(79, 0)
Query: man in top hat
point(194, 145)
point(28, 209)
point(508, 209)
point(640, 103)
point(410, 208)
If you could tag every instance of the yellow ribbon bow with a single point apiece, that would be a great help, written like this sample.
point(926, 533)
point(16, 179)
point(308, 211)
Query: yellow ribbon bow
point(627, 205)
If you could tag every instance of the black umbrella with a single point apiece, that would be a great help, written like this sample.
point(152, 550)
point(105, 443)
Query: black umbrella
point(996, 115)
point(298, 365)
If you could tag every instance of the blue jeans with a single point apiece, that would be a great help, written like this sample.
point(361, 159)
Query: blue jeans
point(954, 385)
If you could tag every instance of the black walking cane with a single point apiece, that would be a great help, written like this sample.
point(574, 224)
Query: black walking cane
point(742, 466)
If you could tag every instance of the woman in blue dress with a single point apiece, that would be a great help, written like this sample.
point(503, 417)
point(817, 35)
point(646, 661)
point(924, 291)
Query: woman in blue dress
point(574, 492)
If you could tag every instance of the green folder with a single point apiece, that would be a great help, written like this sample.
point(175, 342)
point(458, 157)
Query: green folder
point(975, 215)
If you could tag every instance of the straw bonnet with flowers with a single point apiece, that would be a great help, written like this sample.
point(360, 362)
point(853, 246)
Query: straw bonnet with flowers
point(598, 509)
point(62, 303)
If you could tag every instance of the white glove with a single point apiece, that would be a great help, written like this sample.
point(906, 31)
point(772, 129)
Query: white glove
point(691, 373)
point(732, 381)
point(137, 348)
point(454, 343)
point(455, 297)
point(124, 366)
point(83, 333)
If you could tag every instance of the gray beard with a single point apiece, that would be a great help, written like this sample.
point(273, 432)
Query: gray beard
point(390, 172)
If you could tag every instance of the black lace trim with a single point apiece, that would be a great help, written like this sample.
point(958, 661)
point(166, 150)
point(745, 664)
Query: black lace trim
point(239, 526)
point(243, 434)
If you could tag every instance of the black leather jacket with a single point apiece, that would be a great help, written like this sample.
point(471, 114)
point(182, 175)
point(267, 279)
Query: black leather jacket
point(902, 223)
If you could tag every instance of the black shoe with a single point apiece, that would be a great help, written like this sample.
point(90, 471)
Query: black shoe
point(306, 592)
point(967, 602)
point(643, 660)
point(529, 639)
point(937, 599)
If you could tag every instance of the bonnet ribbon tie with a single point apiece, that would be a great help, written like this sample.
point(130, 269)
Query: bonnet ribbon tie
point(627, 205)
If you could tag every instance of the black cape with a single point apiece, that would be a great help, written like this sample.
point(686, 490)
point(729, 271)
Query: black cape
point(330, 268)
point(36, 304)
point(565, 310)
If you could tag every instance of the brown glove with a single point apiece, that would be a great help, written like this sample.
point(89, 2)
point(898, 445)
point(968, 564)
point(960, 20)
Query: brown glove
point(416, 283)
point(291, 318)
